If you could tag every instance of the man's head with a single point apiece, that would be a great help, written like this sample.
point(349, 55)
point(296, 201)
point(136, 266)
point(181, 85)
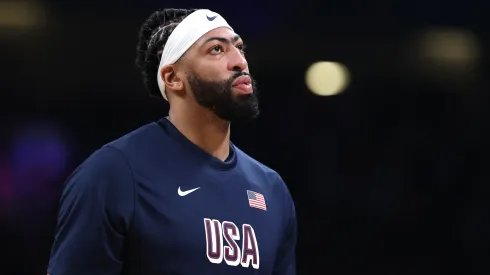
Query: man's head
point(213, 71)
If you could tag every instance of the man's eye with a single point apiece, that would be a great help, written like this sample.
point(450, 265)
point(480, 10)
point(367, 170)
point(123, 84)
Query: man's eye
point(216, 49)
point(241, 47)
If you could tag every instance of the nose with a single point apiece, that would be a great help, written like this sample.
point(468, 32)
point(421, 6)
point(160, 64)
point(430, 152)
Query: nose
point(237, 61)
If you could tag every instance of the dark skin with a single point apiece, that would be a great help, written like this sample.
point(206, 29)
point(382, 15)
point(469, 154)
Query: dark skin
point(216, 56)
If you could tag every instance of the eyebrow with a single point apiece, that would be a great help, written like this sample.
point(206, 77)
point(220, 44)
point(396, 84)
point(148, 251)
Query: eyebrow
point(222, 39)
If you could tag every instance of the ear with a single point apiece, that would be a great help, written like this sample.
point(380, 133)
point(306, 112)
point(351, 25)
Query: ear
point(170, 78)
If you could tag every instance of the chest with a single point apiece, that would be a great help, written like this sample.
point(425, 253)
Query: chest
point(207, 222)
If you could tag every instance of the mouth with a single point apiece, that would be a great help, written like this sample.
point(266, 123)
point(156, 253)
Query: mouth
point(243, 84)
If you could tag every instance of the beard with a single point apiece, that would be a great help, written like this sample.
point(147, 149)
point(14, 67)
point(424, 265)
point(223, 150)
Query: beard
point(218, 97)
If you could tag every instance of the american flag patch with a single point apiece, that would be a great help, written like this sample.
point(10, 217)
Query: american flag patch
point(256, 200)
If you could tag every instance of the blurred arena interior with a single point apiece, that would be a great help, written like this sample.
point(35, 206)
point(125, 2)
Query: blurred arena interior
point(375, 113)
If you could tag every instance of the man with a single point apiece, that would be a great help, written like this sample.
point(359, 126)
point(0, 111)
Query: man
point(176, 196)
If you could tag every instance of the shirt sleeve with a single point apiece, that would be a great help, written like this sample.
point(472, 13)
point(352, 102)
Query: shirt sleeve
point(285, 263)
point(94, 217)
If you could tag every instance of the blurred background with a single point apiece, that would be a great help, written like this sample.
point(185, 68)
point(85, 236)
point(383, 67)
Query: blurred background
point(376, 114)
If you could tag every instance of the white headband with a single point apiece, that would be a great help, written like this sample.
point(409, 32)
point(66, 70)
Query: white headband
point(185, 35)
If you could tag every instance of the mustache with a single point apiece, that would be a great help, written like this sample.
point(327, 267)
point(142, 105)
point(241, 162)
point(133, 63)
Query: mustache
point(238, 74)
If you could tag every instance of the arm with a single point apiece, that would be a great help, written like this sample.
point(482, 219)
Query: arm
point(285, 263)
point(96, 209)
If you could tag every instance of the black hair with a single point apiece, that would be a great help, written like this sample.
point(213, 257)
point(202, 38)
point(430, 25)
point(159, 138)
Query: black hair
point(153, 36)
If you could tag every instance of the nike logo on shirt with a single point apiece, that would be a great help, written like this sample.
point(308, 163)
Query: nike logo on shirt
point(185, 193)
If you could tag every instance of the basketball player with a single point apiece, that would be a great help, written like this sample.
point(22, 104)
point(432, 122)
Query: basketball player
point(176, 196)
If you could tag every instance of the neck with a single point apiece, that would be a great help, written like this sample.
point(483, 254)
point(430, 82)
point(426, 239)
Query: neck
point(203, 128)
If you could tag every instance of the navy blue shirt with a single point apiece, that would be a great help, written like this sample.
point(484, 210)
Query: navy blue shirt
point(152, 202)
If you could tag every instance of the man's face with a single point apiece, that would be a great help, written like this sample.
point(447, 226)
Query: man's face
point(218, 76)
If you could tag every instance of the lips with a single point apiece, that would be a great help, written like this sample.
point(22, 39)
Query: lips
point(242, 80)
point(243, 84)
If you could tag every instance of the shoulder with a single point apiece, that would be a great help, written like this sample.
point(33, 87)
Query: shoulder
point(136, 140)
point(106, 168)
point(119, 160)
point(269, 176)
point(252, 165)
point(143, 146)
